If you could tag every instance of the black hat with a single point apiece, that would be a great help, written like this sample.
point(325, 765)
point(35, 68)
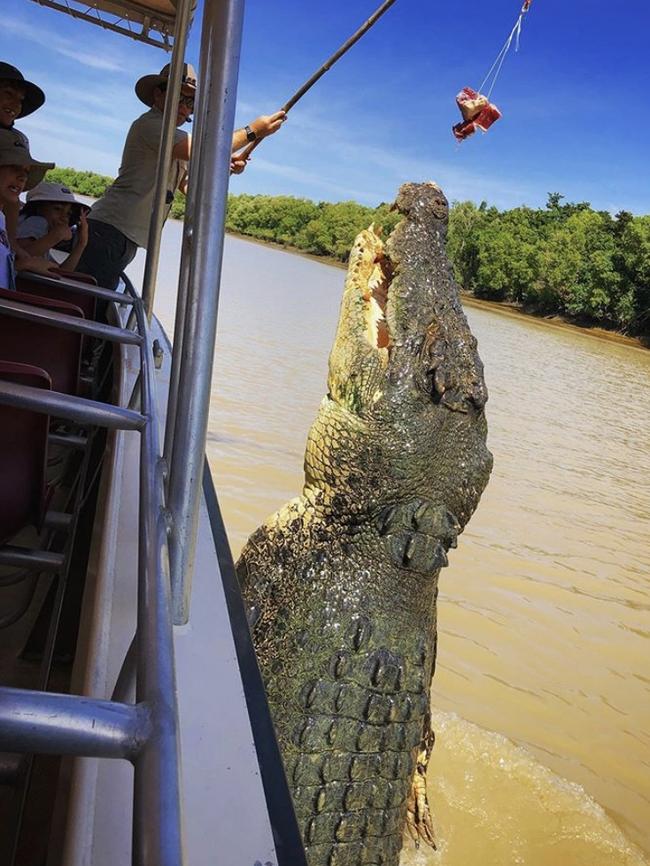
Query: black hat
point(34, 96)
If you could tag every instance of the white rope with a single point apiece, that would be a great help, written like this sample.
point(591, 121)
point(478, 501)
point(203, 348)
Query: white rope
point(501, 56)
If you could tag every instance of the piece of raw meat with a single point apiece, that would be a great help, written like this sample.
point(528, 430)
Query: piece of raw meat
point(478, 113)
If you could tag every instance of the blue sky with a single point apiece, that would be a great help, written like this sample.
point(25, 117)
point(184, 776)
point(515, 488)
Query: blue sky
point(574, 98)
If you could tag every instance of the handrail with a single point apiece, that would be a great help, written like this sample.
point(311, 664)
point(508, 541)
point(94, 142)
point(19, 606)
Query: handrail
point(69, 323)
point(69, 407)
point(81, 288)
point(145, 732)
point(55, 724)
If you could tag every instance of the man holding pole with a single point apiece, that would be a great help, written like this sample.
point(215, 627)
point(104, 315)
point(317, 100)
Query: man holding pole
point(118, 222)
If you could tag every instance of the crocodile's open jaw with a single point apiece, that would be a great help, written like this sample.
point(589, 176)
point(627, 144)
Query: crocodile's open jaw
point(374, 288)
point(370, 273)
point(401, 323)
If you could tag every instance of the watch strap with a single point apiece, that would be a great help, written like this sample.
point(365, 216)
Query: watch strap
point(251, 135)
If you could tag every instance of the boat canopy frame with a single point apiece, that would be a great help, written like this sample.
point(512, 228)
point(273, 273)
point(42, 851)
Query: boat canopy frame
point(154, 22)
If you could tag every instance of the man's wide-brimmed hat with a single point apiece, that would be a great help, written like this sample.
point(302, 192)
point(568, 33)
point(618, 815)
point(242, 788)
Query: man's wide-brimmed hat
point(14, 150)
point(34, 96)
point(48, 191)
point(145, 86)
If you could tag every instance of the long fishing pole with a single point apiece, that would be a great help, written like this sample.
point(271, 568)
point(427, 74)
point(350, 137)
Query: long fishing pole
point(245, 154)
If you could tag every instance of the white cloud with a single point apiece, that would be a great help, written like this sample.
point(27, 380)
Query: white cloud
point(65, 47)
point(311, 179)
point(51, 141)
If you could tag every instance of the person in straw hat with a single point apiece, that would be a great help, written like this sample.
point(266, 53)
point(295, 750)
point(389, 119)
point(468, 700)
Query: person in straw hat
point(119, 221)
point(18, 171)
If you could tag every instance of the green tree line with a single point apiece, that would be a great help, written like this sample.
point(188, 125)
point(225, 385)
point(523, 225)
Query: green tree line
point(565, 258)
point(83, 182)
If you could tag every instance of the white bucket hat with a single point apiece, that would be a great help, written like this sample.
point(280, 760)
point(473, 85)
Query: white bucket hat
point(48, 191)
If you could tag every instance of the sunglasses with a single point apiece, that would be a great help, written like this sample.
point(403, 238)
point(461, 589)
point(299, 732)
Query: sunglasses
point(187, 101)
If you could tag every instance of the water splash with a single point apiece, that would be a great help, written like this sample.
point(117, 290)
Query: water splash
point(495, 805)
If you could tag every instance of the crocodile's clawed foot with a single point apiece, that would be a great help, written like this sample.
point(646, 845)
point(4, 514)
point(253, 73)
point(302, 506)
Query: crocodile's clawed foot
point(419, 534)
point(418, 814)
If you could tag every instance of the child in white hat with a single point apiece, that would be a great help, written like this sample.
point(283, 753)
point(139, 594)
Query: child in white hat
point(52, 216)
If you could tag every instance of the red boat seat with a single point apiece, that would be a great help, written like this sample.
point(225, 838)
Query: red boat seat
point(86, 303)
point(23, 453)
point(53, 349)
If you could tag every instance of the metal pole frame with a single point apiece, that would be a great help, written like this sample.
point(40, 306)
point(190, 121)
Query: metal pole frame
point(165, 155)
point(209, 175)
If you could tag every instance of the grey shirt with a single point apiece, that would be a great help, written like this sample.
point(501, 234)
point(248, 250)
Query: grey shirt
point(127, 204)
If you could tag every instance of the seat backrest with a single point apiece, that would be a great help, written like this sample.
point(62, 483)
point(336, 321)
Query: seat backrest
point(53, 349)
point(23, 454)
point(60, 292)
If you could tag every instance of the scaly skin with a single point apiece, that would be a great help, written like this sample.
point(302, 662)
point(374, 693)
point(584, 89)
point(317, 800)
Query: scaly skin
point(341, 584)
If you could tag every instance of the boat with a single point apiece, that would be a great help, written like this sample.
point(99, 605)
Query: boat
point(134, 727)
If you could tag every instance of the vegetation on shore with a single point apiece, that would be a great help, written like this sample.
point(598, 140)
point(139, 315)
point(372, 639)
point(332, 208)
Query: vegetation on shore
point(564, 259)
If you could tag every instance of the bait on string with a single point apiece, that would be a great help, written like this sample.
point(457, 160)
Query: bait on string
point(475, 106)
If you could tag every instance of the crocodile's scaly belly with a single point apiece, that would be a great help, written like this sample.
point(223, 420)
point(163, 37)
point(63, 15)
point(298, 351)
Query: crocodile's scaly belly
point(355, 755)
point(348, 679)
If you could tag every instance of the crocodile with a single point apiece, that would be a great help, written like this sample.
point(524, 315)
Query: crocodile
point(341, 584)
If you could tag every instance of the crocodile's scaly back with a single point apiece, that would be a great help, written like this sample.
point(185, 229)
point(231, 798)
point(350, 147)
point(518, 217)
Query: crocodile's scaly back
point(341, 584)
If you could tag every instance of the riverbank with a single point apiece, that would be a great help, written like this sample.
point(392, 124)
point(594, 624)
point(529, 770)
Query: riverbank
point(556, 321)
point(504, 307)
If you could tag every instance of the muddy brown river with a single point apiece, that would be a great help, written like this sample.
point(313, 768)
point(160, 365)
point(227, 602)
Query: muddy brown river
point(542, 694)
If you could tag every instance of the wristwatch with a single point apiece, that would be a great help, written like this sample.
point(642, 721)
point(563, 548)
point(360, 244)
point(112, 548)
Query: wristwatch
point(251, 135)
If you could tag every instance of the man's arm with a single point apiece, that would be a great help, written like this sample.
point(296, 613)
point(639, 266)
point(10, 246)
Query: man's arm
point(262, 126)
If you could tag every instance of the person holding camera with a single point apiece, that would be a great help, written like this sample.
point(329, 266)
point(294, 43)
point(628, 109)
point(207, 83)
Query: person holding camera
point(119, 221)
point(53, 216)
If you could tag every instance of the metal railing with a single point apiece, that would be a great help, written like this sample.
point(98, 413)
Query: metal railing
point(145, 733)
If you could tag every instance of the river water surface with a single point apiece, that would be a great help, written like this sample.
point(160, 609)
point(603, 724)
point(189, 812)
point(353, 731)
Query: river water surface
point(542, 694)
